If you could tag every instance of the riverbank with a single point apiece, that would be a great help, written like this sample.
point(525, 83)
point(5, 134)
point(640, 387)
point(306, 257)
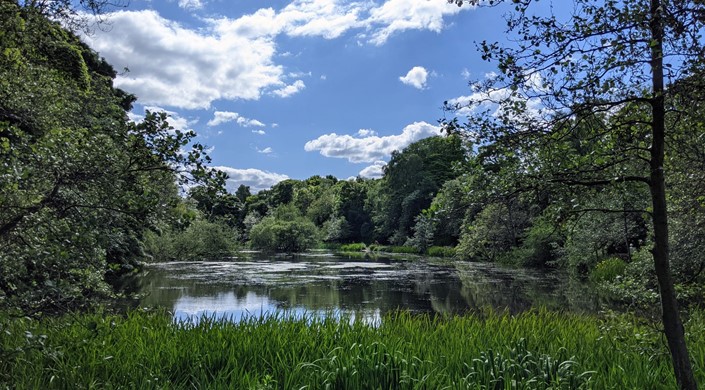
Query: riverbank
point(537, 349)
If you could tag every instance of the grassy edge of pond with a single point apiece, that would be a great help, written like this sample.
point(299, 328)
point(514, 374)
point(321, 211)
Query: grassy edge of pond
point(538, 349)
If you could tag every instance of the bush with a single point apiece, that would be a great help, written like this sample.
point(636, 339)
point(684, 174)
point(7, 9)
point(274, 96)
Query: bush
point(403, 249)
point(354, 247)
point(276, 235)
point(441, 251)
point(608, 270)
point(201, 240)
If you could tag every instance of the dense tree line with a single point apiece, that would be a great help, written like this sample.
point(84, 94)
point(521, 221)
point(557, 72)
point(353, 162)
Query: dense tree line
point(79, 183)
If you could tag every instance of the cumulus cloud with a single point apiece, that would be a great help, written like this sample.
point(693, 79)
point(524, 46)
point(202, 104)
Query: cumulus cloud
point(290, 89)
point(416, 77)
point(220, 117)
point(234, 58)
point(266, 150)
point(259, 132)
point(256, 179)
point(366, 133)
point(371, 148)
point(374, 171)
point(175, 66)
point(396, 16)
point(191, 4)
point(332, 18)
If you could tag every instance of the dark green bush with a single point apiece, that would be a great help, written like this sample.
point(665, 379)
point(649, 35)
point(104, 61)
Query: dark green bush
point(608, 270)
point(277, 235)
point(441, 251)
point(354, 247)
point(201, 240)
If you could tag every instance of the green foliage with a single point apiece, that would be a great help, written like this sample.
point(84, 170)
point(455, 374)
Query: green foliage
point(201, 240)
point(521, 369)
point(148, 350)
point(608, 270)
point(539, 244)
point(492, 234)
point(400, 249)
point(423, 233)
point(411, 180)
point(441, 251)
point(284, 231)
point(637, 287)
point(80, 183)
point(355, 247)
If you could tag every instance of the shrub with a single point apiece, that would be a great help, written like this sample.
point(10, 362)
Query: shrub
point(402, 249)
point(201, 240)
point(608, 270)
point(441, 251)
point(354, 247)
point(272, 234)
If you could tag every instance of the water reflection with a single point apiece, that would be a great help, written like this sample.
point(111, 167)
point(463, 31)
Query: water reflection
point(326, 285)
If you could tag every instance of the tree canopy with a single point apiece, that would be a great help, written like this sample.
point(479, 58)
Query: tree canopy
point(80, 182)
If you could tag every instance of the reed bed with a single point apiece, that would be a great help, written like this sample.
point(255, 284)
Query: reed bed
point(534, 350)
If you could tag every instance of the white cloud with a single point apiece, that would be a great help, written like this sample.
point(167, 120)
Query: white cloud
point(396, 16)
point(366, 133)
point(416, 77)
point(371, 148)
point(257, 179)
point(259, 132)
point(332, 18)
point(326, 18)
point(220, 117)
point(250, 123)
point(191, 4)
point(374, 171)
point(298, 75)
point(290, 89)
point(137, 118)
point(266, 150)
point(174, 66)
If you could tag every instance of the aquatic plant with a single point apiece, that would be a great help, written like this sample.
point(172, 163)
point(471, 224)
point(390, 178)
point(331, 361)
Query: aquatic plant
point(537, 349)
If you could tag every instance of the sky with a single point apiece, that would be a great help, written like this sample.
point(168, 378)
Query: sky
point(291, 89)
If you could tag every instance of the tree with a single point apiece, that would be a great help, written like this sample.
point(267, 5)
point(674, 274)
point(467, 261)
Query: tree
point(79, 183)
point(284, 231)
point(73, 14)
point(411, 180)
point(607, 56)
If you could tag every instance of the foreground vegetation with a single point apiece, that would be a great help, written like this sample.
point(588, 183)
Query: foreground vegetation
point(534, 350)
point(594, 163)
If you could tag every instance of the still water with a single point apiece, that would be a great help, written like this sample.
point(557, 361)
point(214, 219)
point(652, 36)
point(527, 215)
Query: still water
point(327, 284)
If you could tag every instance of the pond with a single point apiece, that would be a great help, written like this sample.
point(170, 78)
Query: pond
point(324, 283)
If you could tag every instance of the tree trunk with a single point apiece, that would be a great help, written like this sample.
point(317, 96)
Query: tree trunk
point(672, 325)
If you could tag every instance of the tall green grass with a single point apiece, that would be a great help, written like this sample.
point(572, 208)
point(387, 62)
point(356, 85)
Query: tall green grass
point(534, 350)
point(354, 247)
point(441, 251)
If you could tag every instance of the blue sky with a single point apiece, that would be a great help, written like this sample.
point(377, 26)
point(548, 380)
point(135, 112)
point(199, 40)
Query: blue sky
point(291, 89)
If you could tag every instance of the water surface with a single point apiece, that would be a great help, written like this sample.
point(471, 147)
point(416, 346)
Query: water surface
point(327, 284)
